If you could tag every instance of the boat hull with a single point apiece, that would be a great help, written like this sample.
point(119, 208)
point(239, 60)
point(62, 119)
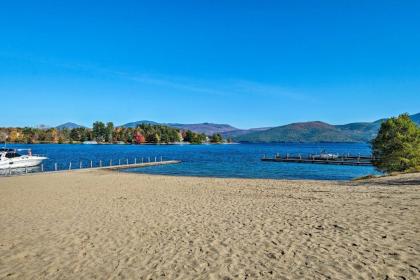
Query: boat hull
point(19, 162)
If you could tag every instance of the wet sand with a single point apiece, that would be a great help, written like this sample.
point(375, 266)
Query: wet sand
point(112, 225)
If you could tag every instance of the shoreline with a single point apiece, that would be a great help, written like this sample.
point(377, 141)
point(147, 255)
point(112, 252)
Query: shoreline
point(122, 144)
point(123, 169)
point(102, 224)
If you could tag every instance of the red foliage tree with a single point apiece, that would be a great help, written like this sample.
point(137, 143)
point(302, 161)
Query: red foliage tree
point(139, 138)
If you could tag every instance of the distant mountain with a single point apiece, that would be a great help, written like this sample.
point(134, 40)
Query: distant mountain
point(206, 128)
point(416, 118)
point(239, 132)
point(68, 125)
point(315, 131)
point(318, 132)
point(135, 124)
point(298, 132)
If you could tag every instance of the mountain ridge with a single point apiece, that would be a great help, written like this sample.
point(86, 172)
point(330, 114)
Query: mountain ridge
point(312, 131)
point(317, 131)
point(68, 125)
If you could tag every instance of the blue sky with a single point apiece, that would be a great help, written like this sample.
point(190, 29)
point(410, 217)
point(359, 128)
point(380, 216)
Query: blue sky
point(246, 63)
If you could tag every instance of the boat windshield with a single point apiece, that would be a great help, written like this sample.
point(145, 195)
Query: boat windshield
point(12, 155)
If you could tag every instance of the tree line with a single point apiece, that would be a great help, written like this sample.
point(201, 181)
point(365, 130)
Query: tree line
point(107, 133)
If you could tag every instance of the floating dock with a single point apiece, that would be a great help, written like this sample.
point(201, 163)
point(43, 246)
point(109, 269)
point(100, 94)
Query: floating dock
point(339, 160)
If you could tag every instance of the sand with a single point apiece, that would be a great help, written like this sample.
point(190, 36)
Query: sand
point(114, 225)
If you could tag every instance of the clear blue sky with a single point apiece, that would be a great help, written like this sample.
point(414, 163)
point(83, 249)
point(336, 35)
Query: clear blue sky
point(247, 63)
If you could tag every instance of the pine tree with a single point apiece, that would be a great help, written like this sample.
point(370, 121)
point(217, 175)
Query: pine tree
point(397, 145)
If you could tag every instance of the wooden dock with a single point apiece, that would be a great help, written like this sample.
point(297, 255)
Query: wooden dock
point(340, 160)
point(101, 166)
point(138, 165)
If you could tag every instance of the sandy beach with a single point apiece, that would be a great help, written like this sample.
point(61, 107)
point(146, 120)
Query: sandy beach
point(113, 225)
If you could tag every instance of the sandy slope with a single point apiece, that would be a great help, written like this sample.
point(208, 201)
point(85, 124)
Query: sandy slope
point(110, 225)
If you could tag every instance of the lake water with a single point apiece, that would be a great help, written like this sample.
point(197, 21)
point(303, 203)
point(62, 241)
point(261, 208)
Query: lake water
point(241, 160)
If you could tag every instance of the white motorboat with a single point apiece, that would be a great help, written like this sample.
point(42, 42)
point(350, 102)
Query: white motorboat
point(10, 158)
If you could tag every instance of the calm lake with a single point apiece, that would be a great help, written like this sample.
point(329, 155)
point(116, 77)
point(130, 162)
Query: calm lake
point(237, 160)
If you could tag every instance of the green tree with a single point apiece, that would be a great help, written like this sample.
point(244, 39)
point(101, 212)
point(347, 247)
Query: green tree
point(79, 134)
point(216, 138)
point(75, 135)
point(109, 131)
point(99, 131)
point(128, 135)
point(397, 145)
point(194, 138)
point(153, 138)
